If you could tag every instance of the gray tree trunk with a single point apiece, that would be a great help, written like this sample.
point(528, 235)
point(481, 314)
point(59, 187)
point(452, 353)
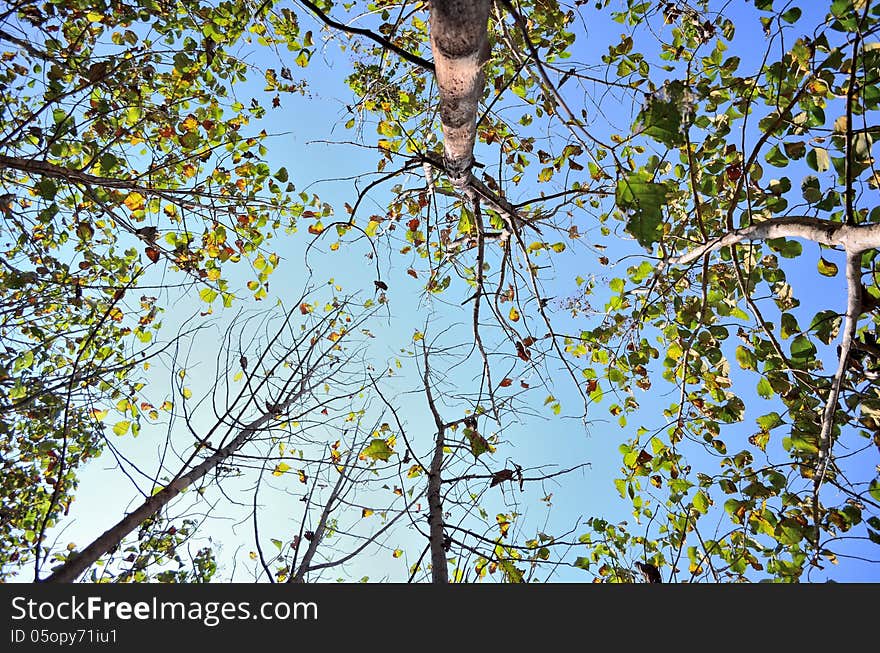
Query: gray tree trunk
point(111, 538)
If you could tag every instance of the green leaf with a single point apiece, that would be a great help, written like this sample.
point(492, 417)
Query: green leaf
point(546, 174)
point(827, 268)
point(826, 324)
point(302, 59)
point(874, 489)
point(775, 157)
point(802, 349)
point(701, 502)
point(787, 248)
point(795, 150)
point(764, 389)
point(810, 189)
point(478, 444)
point(121, 428)
point(667, 114)
point(378, 449)
point(208, 295)
point(281, 175)
point(769, 421)
point(24, 361)
point(792, 15)
point(788, 326)
point(643, 200)
point(746, 358)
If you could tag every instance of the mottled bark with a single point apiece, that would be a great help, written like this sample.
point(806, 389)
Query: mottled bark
point(460, 44)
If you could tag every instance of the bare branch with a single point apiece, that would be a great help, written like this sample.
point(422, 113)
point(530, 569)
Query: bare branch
point(360, 31)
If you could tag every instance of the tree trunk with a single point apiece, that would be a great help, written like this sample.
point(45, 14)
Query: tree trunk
point(460, 44)
point(111, 538)
point(439, 571)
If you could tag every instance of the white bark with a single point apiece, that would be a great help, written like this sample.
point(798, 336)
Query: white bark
point(855, 239)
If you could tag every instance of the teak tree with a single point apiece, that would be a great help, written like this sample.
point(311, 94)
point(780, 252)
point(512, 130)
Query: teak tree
point(658, 215)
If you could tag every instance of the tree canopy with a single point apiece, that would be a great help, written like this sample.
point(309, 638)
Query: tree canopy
point(555, 230)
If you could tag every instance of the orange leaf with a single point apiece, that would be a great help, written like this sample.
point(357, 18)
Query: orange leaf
point(413, 224)
point(506, 382)
point(305, 309)
point(412, 273)
point(152, 254)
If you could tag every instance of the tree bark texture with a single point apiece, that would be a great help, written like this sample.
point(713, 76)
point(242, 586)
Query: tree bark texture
point(439, 571)
point(460, 44)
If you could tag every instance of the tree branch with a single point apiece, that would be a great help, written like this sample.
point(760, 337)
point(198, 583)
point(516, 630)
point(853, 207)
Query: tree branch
point(850, 323)
point(855, 239)
point(439, 572)
point(360, 31)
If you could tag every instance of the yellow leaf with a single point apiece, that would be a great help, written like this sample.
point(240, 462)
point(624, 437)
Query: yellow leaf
point(372, 228)
point(134, 201)
point(99, 414)
point(280, 468)
point(397, 553)
point(302, 476)
point(190, 123)
point(414, 471)
point(366, 512)
point(514, 314)
point(187, 393)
